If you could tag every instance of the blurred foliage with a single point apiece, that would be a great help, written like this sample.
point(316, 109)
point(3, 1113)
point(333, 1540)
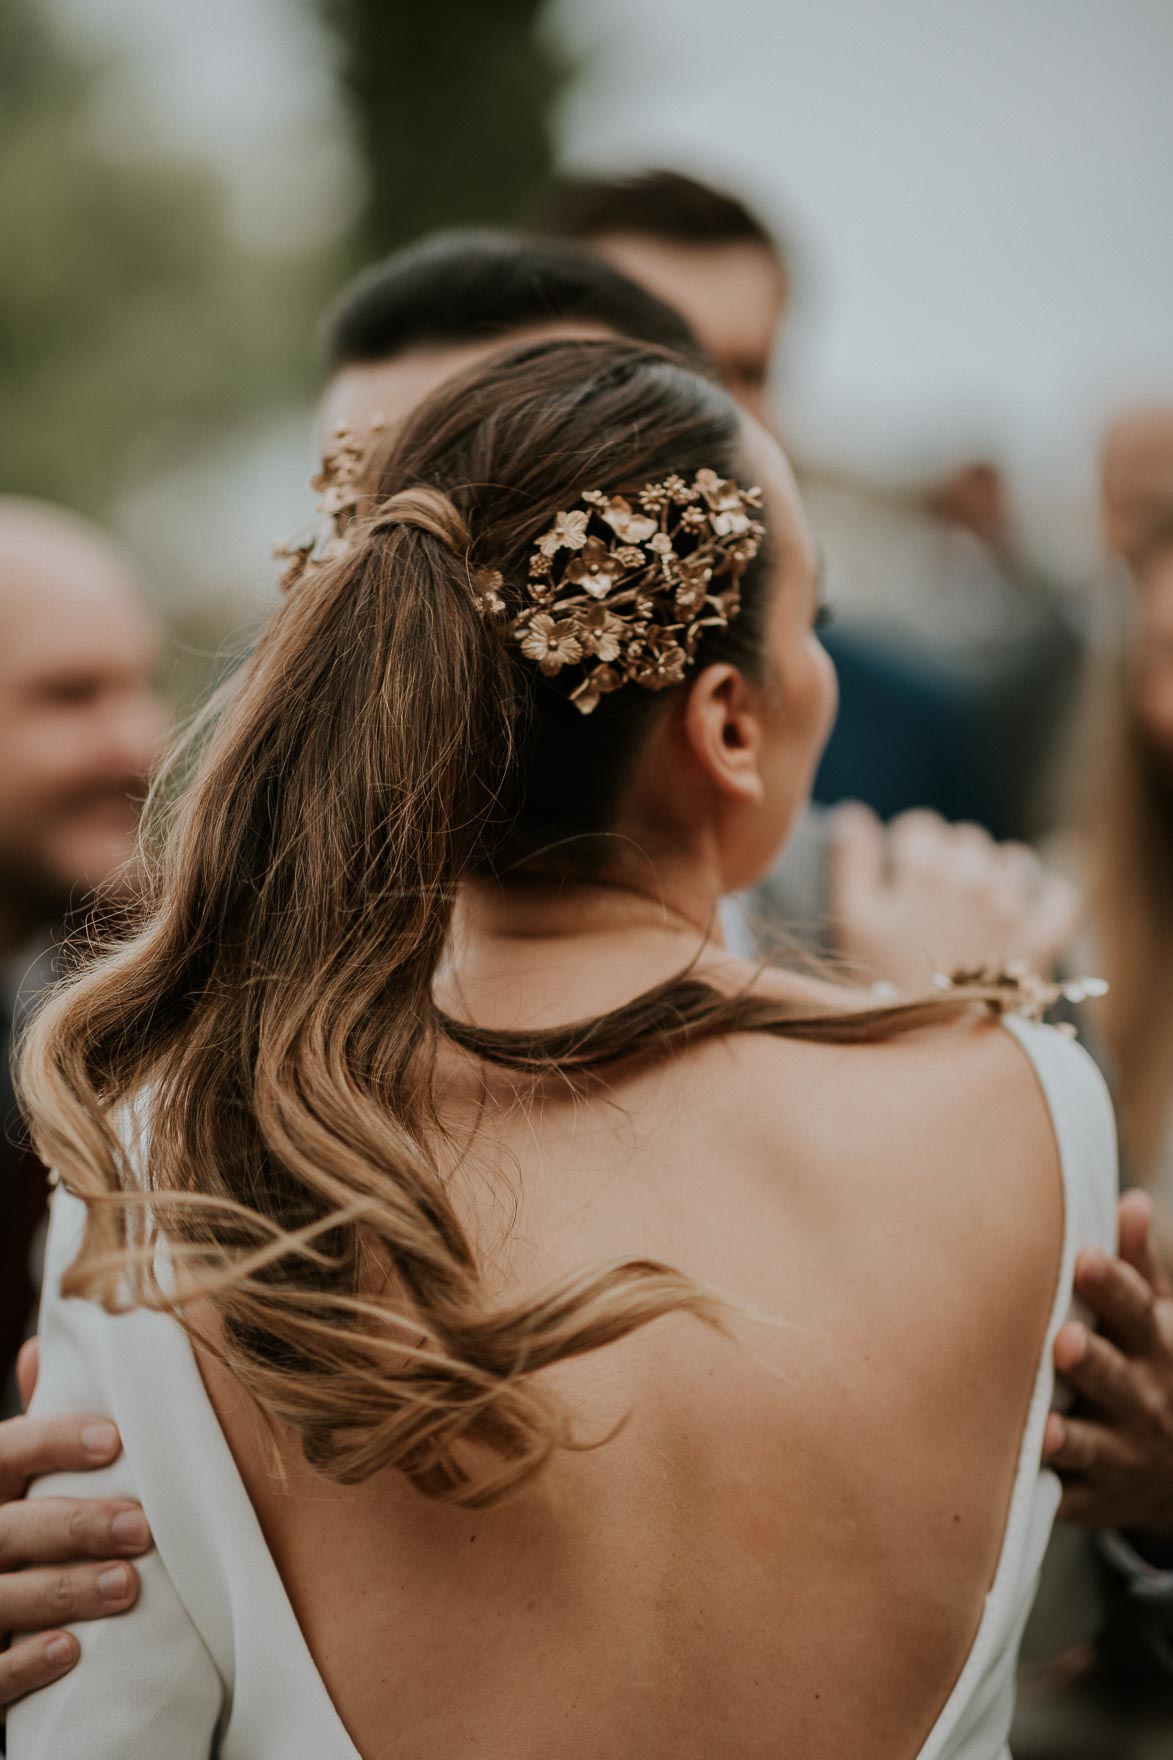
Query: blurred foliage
point(449, 106)
point(136, 324)
point(132, 317)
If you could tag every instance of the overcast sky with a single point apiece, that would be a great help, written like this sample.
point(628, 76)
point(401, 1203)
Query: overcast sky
point(982, 189)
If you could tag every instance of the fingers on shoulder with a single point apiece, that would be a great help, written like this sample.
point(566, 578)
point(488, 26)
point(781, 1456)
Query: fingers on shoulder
point(48, 1530)
point(33, 1446)
point(34, 1662)
point(35, 1599)
point(1121, 1297)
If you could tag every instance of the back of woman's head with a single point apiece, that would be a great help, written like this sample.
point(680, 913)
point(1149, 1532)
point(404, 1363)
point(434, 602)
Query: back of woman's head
point(385, 740)
point(508, 446)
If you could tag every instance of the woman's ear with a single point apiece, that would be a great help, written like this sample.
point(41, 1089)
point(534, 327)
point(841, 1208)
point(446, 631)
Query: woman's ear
point(723, 730)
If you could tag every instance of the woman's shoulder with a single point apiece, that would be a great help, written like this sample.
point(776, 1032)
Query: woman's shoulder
point(976, 1055)
point(969, 1109)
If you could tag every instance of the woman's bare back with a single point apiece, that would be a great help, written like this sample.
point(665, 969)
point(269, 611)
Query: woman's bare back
point(786, 1546)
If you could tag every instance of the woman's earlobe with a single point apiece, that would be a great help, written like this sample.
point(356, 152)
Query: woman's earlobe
point(741, 744)
point(741, 736)
point(744, 773)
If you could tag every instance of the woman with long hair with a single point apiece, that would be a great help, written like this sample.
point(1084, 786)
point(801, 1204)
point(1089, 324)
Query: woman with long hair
point(532, 1331)
point(1129, 841)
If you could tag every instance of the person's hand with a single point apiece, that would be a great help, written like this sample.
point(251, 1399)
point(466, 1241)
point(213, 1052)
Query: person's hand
point(1116, 1454)
point(43, 1543)
point(921, 896)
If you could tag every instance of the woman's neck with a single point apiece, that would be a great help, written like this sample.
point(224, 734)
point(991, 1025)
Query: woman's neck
point(673, 897)
point(544, 949)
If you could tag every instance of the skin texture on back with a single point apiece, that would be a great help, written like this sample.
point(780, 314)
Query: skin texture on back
point(789, 1539)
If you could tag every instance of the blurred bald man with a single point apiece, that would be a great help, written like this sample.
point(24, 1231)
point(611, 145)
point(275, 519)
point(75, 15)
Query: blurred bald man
point(81, 722)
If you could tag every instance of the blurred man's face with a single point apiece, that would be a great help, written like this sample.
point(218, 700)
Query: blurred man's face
point(733, 295)
point(81, 723)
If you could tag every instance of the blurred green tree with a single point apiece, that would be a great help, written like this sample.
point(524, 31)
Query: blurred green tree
point(132, 317)
point(449, 104)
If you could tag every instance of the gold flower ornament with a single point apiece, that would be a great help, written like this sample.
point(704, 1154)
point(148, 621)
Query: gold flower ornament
point(626, 592)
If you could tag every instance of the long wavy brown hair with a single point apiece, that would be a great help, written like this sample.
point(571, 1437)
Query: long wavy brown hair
point(249, 1072)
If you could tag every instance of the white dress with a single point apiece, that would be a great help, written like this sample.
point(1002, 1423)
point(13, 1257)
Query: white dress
point(211, 1661)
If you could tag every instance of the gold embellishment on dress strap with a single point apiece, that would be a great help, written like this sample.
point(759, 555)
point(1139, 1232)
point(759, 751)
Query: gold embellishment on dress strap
point(1023, 991)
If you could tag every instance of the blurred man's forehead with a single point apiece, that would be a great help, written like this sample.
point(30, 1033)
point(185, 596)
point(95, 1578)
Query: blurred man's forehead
point(707, 282)
point(53, 620)
point(362, 392)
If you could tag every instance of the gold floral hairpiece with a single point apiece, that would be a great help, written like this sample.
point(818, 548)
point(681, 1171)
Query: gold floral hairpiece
point(339, 488)
point(627, 592)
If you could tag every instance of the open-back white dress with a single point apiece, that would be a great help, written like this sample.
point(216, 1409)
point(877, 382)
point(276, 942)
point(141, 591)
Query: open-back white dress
point(211, 1660)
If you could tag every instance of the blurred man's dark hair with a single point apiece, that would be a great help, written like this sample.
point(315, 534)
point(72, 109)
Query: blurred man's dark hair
point(657, 204)
point(473, 286)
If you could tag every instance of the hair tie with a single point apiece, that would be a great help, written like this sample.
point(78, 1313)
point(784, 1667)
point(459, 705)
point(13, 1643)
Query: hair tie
point(427, 510)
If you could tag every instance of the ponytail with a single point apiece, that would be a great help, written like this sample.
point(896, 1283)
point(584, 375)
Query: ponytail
point(277, 1006)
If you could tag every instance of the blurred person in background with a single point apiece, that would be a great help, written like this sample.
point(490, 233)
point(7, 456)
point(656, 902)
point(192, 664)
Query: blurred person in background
point(407, 323)
point(971, 714)
point(1025, 645)
point(1121, 798)
point(705, 252)
point(81, 721)
point(1129, 833)
point(701, 251)
point(1118, 1702)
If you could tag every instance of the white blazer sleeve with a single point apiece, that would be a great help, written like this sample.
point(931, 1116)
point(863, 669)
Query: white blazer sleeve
point(146, 1686)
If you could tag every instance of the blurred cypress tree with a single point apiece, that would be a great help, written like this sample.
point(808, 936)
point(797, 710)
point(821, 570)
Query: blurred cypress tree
point(449, 104)
point(132, 317)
